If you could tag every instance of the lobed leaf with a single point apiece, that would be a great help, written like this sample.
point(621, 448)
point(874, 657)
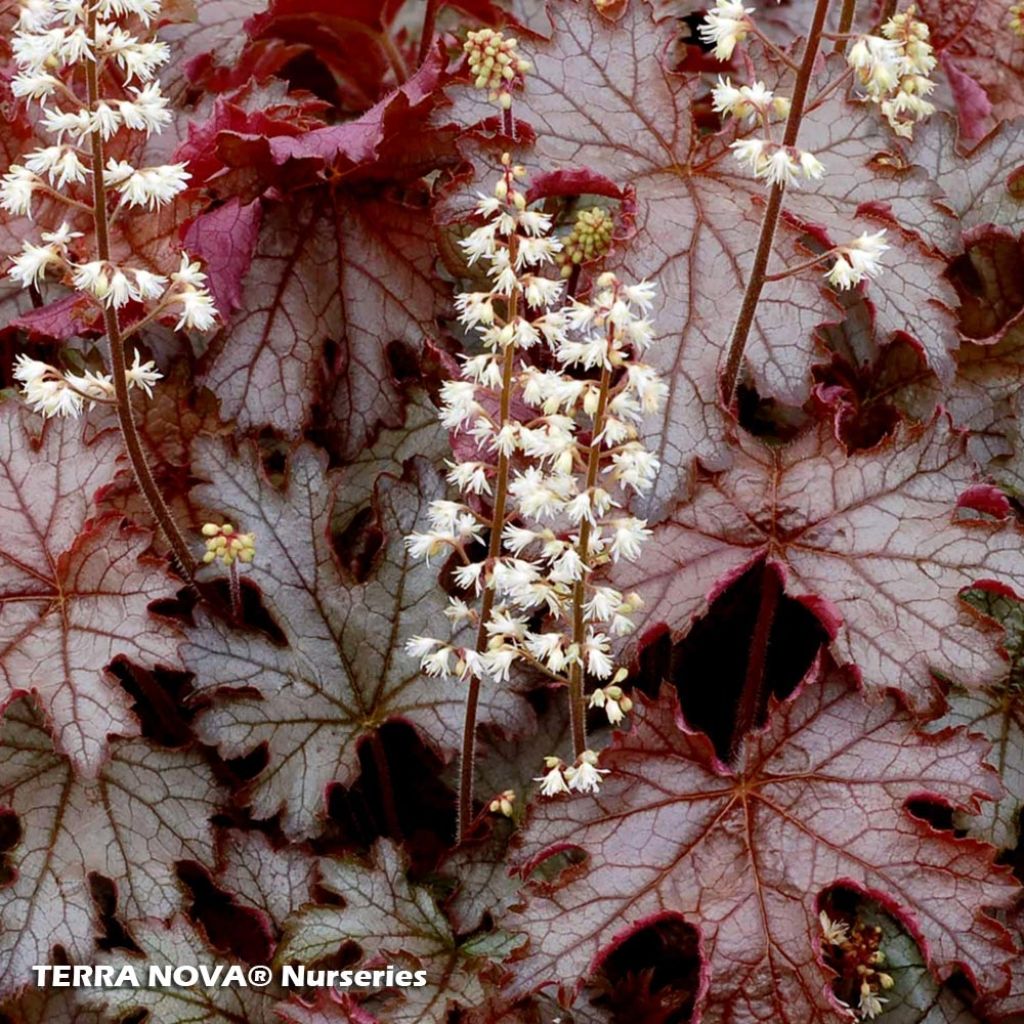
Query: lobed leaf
point(343, 673)
point(74, 593)
point(870, 542)
point(816, 800)
point(147, 809)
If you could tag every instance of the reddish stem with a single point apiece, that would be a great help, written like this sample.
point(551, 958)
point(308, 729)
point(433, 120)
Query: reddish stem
point(427, 32)
point(753, 696)
point(752, 294)
point(118, 362)
point(845, 24)
point(468, 760)
point(236, 593)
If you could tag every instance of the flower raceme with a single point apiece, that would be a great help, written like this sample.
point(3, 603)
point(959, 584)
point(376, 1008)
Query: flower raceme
point(57, 45)
point(560, 469)
point(892, 70)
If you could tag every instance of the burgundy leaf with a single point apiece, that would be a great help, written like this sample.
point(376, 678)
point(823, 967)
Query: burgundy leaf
point(359, 276)
point(343, 672)
point(817, 800)
point(868, 541)
point(174, 943)
point(74, 593)
point(276, 880)
point(225, 239)
point(392, 921)
point(977, 35)
point(145, 810)
point(602, 98)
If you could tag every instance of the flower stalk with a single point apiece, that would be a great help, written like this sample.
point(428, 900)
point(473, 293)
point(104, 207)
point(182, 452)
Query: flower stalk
point(577, 698)
point(770, 222)
point(467, 764)
point(182, 553)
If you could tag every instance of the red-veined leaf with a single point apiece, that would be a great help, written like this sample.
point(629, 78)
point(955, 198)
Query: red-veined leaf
point(816, 800)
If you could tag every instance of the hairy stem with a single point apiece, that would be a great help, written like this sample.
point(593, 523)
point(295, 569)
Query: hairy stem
point(468, 759)
point(236, 593)
point(427, 32)
point(845, 24)
point(752, 697)
point(577, 695)
point(752, 294)
point(118, 362)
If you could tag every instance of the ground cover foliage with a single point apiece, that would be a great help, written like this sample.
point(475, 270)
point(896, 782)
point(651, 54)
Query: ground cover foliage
point(812, 812)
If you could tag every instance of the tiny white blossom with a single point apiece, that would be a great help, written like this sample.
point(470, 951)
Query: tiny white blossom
point(143, 375)
point(553, 783)
point(585, 776)
point(17, 189)
point(29, 267)
point(197, 310)
point(725, 26)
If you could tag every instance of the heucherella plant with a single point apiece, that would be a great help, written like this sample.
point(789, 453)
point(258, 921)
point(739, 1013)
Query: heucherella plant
point(90, 67)
point(557, 455)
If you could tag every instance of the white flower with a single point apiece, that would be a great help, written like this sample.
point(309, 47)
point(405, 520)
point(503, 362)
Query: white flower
point(458, 398)
point(725, 97)
point(475, 308)
point(468, 576)
point(152, 187)
point(149, 285)
point(517, 538)
point(427, 545)
point(613, 701)
point(812, 167)
point(870, 1003)
point(480, 244)
point(541, 292)
point(834, 932)
point(61, 236)
point(45, 390)
point(33, 50)
point(842, 275)
point(96, 385)
point(145, 10)
point(585, 776)
point(780, 168)
point(197, 310)
point(568, 568)
point(470, 477)
point(122, 289)
point(629, 535)
point(458, 612)
point(92, 277)
point(499, 663)
point(189, 273)
point(147, 111)
point(143, 375)
point(34, 85)
point(726, 26)
point(34, 15)
point(596, 649)
point(552, 783)
point(59, 163)
point(77, 123)
point(26, 370)
point(29, 267)
point(858, 259)
point(16, 191)
point(105, 120)
point(752, 153)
